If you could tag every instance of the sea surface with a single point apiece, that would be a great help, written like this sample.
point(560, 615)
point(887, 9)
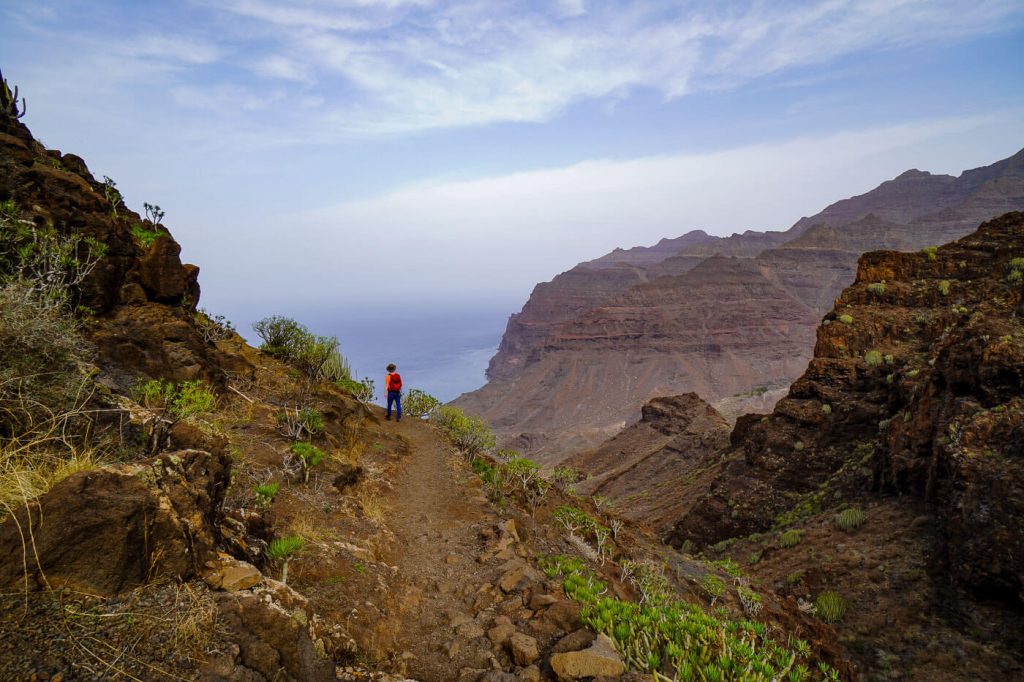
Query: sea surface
point(443, 352)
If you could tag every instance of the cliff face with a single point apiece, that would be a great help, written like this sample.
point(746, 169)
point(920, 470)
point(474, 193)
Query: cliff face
point(721, 317)
point(645, 469)
point(916, 387)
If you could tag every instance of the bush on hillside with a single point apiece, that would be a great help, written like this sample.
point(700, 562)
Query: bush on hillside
point(419, 404)
point(318, 357)
point(472, 435)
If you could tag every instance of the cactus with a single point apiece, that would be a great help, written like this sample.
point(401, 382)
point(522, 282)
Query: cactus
point(9, 99)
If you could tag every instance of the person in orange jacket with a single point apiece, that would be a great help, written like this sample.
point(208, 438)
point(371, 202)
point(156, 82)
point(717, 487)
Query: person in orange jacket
point(393, 387)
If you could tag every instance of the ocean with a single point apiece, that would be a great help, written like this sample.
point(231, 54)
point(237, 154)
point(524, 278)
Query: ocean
point(443, 353)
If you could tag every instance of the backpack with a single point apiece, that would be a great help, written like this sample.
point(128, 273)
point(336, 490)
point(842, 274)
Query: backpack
point(396, 382)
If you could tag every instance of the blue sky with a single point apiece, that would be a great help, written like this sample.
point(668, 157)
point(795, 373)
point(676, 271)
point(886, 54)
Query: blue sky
point(449, 155)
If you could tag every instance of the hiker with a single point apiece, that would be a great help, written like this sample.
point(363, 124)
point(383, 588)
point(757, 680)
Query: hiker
point(393, 387)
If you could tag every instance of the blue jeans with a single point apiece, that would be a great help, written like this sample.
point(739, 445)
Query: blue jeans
point(396, 398)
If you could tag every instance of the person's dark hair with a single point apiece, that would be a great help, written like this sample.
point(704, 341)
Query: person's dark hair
point(391, 367)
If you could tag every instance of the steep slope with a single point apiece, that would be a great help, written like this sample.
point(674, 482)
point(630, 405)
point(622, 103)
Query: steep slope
point(644, 469)
point(682, 323)
point(911, 412)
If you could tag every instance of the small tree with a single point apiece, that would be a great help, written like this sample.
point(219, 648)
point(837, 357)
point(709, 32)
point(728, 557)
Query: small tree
point(309, 456)
point(284, 550)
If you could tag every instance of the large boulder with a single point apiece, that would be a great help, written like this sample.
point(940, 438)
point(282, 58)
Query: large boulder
point(112, 529)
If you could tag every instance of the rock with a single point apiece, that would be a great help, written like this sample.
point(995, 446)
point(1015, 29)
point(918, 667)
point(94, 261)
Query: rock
point(564, 614)
point(600, 659)
point(523, 649)
point(272, 642)
point(530, 673)
point(231, 575)
point(499, 634)
point(497, 676)
point(540, 601)
point(108, 530)
point(574, 641)
point(161, 272)
point(518, 577)
point(470, 630)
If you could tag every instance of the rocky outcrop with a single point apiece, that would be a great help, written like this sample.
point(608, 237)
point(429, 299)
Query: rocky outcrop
point(143, 296)
point(916, 388)
point(722, 317)
point(108, 530)
point(645, 470)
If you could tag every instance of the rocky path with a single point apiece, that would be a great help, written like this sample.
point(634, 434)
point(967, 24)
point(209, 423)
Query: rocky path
point(452, 551)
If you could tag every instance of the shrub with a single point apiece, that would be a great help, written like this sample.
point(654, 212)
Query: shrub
point(179, 401)
point(470, 434)
point(713, 585)
point(50, 265)
point(213, 328)
point(849, 519)
point(944, 287)
point(284, 550)
point(145, 236)
point(729, 566)
point(564, 477)
point(361, 389)
point(419, 404)
point(829, 606)
point(282, 336)
point(826, 409)
point(750, 600)
point(300, 423)
point(931, 252)
point(877, 288)
point(309, 456)
point(790, 538)
point(265, 493)
point(44, 368)
point(873, 358)
point(846, 319)
point(1015, 271)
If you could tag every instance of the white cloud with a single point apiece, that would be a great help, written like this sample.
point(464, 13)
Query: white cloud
point(412, 66)
point(174, 48)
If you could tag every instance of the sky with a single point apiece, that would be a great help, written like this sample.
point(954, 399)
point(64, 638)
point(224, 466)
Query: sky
point(341, 159)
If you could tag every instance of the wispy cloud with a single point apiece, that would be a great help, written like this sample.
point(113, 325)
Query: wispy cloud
point(414, 65)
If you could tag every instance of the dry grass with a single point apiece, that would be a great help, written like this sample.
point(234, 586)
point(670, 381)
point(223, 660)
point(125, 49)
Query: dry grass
point(313, 533)
point(30, 469)
point(373, 505)
point(194, 620)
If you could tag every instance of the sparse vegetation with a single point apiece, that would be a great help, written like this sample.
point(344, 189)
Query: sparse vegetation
point(790, 538)
point(213, 328)
point(877, 288)
point(931, 252)
point(826, 409)
point(419, 404)
point(9, 99)
point(179, 401)
point(362, 389)
point(1015, 271)
point(469, 434)
point(830, 607)
point(309, 456)
point(849, 519)
point(265, 493)
point(873, 358)
point(284, 550)
point(143, 235)
point(49, 266)
point(944, 287)
point(300, 423)
point(113, 195)
point(713, 585)
point(846, 319)
point(674, 638)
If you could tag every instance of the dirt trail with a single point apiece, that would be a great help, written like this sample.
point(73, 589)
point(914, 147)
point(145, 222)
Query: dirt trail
point(442, 523)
